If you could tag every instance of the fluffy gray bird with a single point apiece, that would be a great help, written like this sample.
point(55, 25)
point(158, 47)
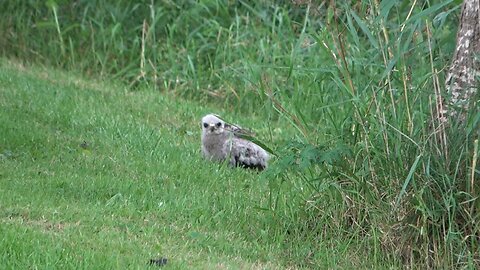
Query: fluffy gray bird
point(221, 141)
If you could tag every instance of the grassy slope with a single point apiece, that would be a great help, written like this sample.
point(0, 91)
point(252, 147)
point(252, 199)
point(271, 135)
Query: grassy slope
point(138, 190)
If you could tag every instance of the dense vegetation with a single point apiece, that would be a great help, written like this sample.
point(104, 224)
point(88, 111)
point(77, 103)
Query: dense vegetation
point(346, 92)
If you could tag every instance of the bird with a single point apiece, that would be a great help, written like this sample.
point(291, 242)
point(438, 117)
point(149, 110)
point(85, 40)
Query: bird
point(222, 142)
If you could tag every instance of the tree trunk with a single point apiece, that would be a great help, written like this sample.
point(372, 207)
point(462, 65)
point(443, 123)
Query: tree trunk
point(462, 77)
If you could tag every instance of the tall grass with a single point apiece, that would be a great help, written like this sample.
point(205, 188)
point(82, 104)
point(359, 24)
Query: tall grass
point(357, 81)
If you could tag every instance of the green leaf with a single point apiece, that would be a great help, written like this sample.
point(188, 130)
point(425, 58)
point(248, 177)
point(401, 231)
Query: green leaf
point(426, 12)
point(365, 29)
point(408, 179)
point(385, 7)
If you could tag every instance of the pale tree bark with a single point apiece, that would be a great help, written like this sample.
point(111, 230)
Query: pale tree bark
point(462, 77)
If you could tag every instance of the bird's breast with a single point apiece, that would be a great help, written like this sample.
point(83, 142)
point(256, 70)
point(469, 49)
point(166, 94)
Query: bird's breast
point(212, 146)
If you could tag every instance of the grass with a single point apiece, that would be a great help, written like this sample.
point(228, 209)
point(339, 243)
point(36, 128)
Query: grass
point(96, 176)
point(344, 93)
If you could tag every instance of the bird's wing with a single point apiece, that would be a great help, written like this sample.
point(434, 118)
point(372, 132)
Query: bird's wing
point(238, 130)
point(246, 154)
point(247, 135)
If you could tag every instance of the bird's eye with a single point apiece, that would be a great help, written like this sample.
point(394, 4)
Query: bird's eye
point(219, 124)
point(205, 125)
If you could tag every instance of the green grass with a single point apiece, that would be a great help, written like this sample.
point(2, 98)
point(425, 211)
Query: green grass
point(344, 92)
point(139, 190)
point(97, 177)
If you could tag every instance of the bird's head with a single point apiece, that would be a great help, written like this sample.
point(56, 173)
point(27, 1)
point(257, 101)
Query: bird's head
point(212, 124)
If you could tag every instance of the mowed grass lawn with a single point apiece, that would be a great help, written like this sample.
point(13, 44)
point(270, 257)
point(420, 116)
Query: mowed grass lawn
point(94, 176)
